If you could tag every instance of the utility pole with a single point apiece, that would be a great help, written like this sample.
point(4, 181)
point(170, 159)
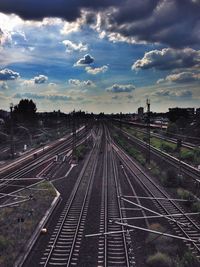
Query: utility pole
point(11, 131)
point(120, 121)
point(148, 154)
point(179, 145)
point(73, 136)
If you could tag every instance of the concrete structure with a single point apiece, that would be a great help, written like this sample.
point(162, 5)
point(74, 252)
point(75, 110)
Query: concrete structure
point(140, 113)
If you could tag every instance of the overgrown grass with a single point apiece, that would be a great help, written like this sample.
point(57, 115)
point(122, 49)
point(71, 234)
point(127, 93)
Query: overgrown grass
point(133, 152)
point(187, 260)
point(192, 202)
point(191, 156)
point(18, 223)
point(164, 252)
point(159, 260)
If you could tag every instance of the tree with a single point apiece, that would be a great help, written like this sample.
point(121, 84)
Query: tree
point(178, 113)
point(25, 110)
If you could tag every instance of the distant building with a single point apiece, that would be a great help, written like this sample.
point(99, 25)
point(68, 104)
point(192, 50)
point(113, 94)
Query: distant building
point(4, 114)
point(190, 111)
point(198, 112)
point(140, 113)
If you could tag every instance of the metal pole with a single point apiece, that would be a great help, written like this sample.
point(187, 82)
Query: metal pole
point(148, 133)
point(73, 136)
point(120, 121)
point(11, 131)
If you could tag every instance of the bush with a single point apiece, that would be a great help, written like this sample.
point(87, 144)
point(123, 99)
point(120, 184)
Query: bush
point(188, 260)
point(161, 243)
point(159, 260)
point(155, 170)
point(186, 195)
point(196, 207)
point(197, 155)
point(167, 148)
point(79, 152)
point(3, 243)
point(187, 155)
point(171, 178)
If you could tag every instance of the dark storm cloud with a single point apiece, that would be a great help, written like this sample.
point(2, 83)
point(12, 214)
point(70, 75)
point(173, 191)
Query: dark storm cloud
point(172, 22)
point(38, 9)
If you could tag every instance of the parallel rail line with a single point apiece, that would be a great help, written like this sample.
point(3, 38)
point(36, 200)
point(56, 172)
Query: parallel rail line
point(36, 163)
point(113, 249)
point(184, 226)
point(186, 168)
point(64, 245)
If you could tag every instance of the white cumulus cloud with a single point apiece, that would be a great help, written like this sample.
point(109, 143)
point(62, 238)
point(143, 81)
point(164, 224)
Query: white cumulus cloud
point(97, 70)
point(40, 79)
point(71, 46)
point(79, 83)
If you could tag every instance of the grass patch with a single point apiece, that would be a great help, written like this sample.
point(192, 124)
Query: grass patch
point(133, 152)
point(80, 152)
point(187, 260)
point(191, 156)
point(18, 223)
point(159, 260)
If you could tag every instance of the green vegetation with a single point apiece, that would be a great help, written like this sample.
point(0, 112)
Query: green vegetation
point(188, 260)
point(172, 179)
point(80, 152)
point(18, 223)
point(192, 203)
point(160, 243)
point(159, 259)
point(164, 252)
point(130, 150)
point(184, 194)
point(191, 156)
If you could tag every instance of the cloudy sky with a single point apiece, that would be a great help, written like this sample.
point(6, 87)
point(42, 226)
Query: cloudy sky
point(100, 55)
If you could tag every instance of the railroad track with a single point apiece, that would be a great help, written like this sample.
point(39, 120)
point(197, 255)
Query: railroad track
point(113, 248)
point(185, 168)
point(43, 159)
point(183, 225)
point(65, 242)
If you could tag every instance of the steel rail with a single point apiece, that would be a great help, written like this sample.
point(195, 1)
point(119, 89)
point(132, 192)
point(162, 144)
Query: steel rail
point(82, 188)
point(186, 168)
point(114, 208)
point(38, 162)
point(155, 191)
